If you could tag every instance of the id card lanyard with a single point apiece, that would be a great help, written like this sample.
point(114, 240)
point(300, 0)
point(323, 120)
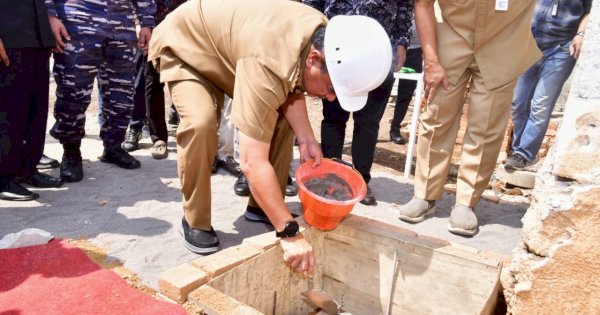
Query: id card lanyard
point(501, 5)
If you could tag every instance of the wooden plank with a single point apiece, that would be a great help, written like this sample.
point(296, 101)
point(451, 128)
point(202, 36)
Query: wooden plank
point(388, 233)
point(267, 284)
point(429, 278)
point(215, 302)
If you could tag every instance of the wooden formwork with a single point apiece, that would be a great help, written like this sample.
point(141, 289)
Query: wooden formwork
point(363, 264)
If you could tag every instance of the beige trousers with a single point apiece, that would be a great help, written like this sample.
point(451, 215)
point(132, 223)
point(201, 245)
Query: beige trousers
point(488, 115)
point(199, 105)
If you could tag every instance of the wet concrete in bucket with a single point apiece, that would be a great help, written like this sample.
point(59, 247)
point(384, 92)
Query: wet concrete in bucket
point(331, 187)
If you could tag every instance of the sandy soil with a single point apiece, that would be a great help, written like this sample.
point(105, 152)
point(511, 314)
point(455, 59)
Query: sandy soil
point(134, 215)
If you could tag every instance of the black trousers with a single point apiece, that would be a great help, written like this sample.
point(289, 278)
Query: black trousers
point(406, 88)
point(366, 128)
point(149, 101)
point(24, 88)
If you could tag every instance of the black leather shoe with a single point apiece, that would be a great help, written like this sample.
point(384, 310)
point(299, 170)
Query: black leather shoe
point(230, 165)
point(256, 214)
point(132, 139)
point(71, 168)
point(119, 157)
point(241, 187)
point(396, 138)
point(15, 192)
point(369, 199)
point(46, 163)
point(199, 241)
point(42, 180)
point(290, 189)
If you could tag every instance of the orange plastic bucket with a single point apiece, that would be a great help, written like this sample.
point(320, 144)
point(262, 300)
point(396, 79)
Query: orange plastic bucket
point(321, 212)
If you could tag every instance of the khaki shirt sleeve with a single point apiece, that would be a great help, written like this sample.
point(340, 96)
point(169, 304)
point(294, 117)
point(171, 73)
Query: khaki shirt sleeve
point(257, 95)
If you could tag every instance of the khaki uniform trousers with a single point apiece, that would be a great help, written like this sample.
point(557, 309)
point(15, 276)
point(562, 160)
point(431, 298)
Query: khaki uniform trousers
point(488, 115)
point(199, 103)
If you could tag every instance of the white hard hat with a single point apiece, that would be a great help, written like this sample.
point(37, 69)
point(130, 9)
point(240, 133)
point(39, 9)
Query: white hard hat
point(358, 55)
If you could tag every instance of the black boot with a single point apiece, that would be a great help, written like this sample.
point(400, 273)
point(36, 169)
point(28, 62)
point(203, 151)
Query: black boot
point(119, 157)
point(71, 166)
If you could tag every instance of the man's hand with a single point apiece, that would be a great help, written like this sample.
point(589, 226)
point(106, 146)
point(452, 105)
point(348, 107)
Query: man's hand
point(434, 75)
point(575, 47)
point(144, 38)
point(60, 32)
point(400, 57)
point(298, 254)
point(3, 55)
point(310, 149)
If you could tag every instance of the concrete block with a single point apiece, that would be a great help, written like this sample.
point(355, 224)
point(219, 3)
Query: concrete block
point(262, 241)
point(525, 179)
point(177, 282)
point(577, 155)
point(225, 260)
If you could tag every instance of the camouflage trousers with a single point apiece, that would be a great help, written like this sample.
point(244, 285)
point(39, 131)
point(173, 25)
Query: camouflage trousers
point(85, 57)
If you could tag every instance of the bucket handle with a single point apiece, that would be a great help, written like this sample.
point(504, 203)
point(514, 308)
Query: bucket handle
point(343, 162)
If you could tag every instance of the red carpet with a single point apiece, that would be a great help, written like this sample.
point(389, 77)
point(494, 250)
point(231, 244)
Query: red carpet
point(58, 278)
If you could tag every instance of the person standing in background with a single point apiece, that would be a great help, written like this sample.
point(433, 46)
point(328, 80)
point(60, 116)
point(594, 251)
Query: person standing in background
point(559, 29)
point(406, 88)
point(96, 36)
point(25, 43)
point(395, 17)
point(149, 104)
point(470, 45)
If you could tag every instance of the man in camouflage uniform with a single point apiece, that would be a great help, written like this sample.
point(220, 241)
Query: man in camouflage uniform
point(98, 36)
point(395, 17)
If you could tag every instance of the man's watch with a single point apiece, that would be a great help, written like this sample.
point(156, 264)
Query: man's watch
point(291, 229)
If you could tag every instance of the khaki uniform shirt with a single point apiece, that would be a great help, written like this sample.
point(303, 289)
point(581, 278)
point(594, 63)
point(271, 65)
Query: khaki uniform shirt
point(500, 41)
point(252, 50)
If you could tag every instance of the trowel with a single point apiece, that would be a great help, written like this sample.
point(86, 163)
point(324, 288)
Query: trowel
point(318, 298)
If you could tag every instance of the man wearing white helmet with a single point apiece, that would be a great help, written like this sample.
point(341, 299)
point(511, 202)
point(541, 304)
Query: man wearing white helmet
point(395, 16)
point(264, 54)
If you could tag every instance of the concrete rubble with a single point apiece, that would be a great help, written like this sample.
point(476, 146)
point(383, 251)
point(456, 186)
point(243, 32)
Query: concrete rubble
point(555, 268)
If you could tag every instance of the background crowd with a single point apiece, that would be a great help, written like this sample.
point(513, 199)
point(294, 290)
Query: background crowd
point(109, 41)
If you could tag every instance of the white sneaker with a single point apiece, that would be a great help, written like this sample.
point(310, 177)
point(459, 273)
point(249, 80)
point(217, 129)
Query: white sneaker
point(159, 150)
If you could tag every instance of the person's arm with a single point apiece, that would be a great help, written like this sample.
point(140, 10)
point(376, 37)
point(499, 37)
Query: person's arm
point(434, 73)
point(400, 33)
point(297, 115)
point(577, 42)
point(3, 55)
point(258, 96)
point(56, 25)
point(145, 11)
point(254, 161)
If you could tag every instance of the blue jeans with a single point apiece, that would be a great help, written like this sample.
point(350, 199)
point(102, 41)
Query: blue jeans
point(535, 96)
